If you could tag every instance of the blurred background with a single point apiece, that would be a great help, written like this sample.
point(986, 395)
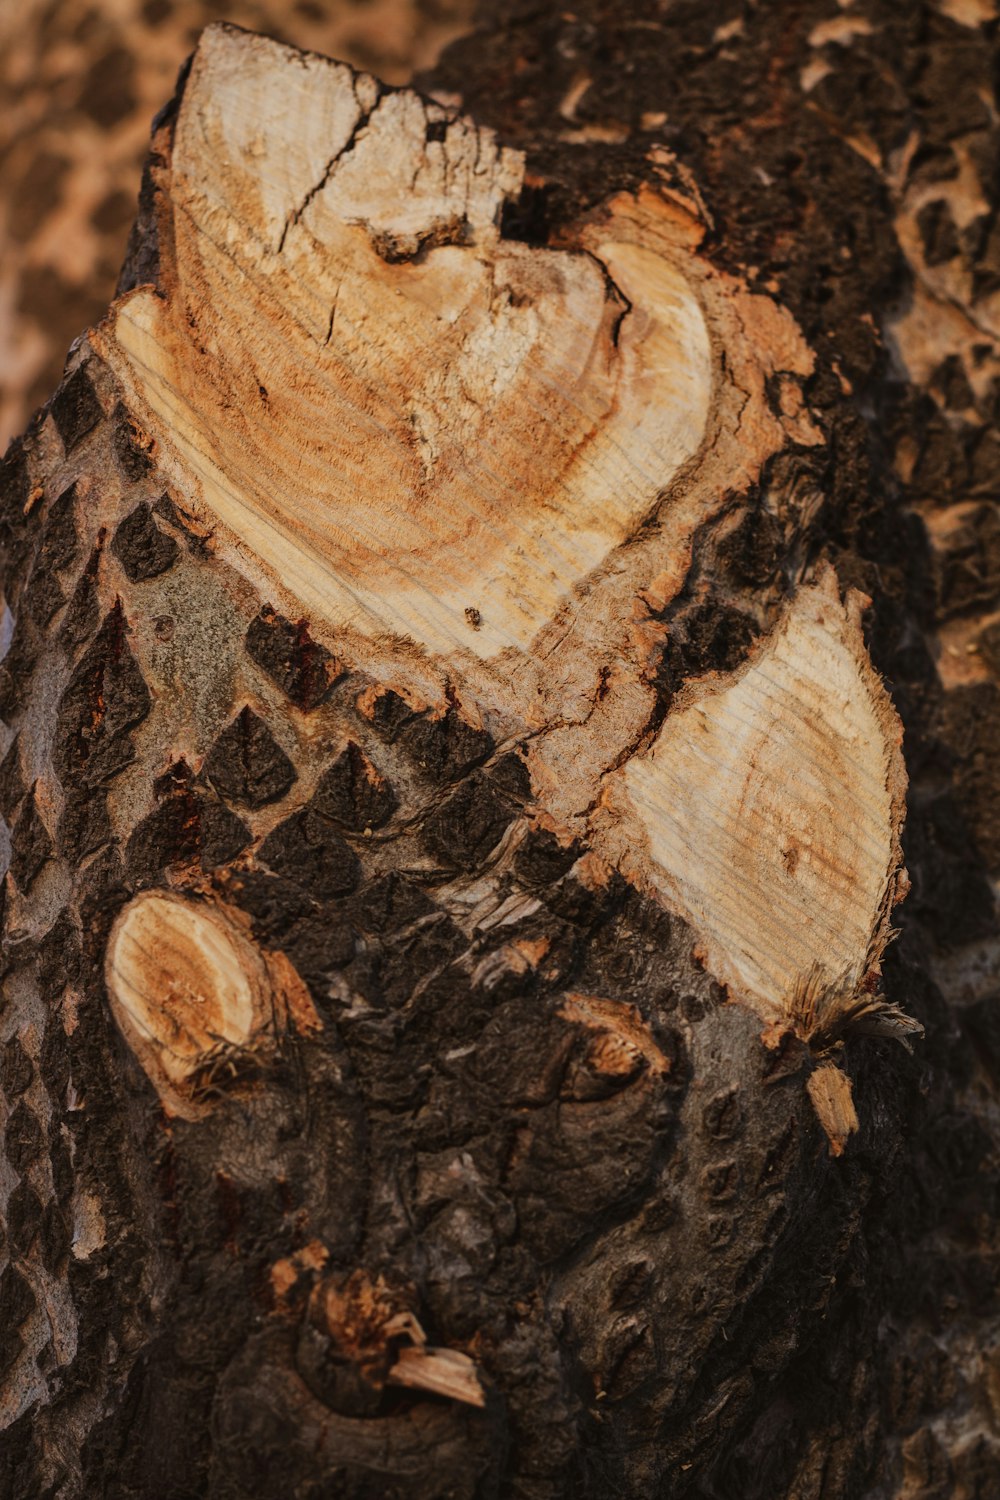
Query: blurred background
point(80, 82)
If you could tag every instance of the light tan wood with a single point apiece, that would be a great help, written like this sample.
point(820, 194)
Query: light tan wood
point(190, 992)
point(833, 1100)
point(421, 1367)
point(79, 84)
point(446, 1372)
point(771, 804)
point(405, 415)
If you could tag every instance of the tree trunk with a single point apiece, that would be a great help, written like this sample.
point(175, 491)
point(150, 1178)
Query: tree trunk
point(80, 81)
point(462, 609)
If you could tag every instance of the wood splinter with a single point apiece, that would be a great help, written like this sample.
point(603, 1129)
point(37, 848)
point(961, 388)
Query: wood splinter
point(383, 1343)
point(833, 1100)
point(445, 1372)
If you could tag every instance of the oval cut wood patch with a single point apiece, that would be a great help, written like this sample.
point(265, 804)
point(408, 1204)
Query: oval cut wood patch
point(769, 806)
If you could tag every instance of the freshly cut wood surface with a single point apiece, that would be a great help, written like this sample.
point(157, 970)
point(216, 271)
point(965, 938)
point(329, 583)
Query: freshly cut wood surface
point(772, 802)
point(79, 84)
point(190, 992)
point(427, 430)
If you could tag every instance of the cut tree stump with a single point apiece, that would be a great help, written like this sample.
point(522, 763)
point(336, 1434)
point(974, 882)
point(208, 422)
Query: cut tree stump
point(451, 1041)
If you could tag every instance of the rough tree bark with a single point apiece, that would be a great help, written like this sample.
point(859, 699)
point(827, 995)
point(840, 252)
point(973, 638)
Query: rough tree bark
point(451, 1029)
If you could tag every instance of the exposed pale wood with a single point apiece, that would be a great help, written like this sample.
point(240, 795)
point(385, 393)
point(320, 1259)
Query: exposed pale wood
point(623, 1041)
point(821, 1013)
point(445, 1372)
point(403, 415)
point(832, 1098)
point(79, 84)
point(191, 992)
point(374, 1331)
point(771, 803)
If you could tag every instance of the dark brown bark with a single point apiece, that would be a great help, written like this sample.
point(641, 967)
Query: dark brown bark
point(666, 1283)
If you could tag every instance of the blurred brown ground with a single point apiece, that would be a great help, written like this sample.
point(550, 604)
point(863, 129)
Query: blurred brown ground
point(80, 81)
